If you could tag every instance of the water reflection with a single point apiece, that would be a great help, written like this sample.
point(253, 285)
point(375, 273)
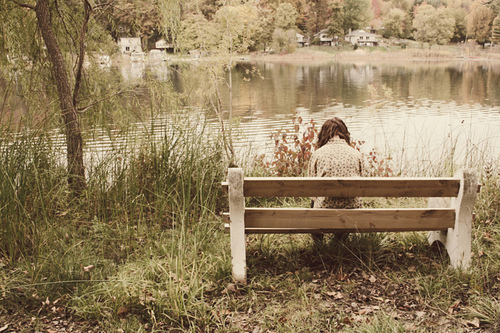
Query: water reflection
point(429, 109)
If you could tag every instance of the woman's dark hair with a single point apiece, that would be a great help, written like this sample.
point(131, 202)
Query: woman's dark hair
point(331, 128)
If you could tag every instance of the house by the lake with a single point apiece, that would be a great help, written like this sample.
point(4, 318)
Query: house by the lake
point(301, 40)
point(162, 44)
point(128, 45)
point(361, 38)
point(324, 38)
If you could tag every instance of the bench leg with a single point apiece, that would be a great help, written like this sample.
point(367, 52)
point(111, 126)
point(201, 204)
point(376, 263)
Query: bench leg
point(237, 225)
point(458, 240)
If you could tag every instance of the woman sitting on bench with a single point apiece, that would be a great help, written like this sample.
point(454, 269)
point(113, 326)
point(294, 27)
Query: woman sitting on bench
point(334, 157)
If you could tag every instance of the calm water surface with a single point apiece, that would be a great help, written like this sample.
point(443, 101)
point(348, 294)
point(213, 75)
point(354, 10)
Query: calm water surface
point(412, 109)
point(415, 111)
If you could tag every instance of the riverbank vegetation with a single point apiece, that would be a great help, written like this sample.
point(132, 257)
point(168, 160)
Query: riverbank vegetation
point(143, 249)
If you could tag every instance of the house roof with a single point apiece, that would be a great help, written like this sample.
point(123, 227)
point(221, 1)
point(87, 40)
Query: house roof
point(360, 33)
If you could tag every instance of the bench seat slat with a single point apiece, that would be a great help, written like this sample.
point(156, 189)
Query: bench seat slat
point(311, 230)
point(350, 187)
point(360, 220)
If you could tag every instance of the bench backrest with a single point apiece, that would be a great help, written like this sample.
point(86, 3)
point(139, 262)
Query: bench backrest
point(350, 187)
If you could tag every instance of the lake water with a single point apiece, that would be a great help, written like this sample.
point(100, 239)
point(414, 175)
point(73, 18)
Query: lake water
point(411, 110)
point(418, 112)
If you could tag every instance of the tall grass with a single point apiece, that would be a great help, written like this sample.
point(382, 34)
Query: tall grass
point(144, 236)
point(32, 192)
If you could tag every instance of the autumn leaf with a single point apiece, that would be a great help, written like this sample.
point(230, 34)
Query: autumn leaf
point(88, 268)
point(474, 322)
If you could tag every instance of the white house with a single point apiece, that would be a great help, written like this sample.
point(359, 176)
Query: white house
point(163, 45)
point(128, 45)
point(361, 38)
point(301, 40)
point(324, 38)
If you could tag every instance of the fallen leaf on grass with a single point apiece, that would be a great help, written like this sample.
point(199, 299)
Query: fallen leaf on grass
point(420, 314)
point(365, 310)
point(474, 322)
point(122, 311)
point(88, 268)
point(453, 306)
point(336, 295)
point(487, 236)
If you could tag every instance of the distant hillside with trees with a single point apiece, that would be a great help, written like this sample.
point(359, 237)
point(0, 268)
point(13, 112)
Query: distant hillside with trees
point(256, 25)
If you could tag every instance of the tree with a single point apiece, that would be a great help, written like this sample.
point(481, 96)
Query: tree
point(284, 41)
point(286, 16)
point(241, 26)
point(357, 14)
point(459, 9)
point(433, 26)
point(265, 35)
point(495, 31)
point(284, 33)
point(301, 8)
point(196, 33)
point(397, 23)
point(479, 23)
point(136, 18)
point(317, 13)
point(405, 5)
point(55, 54)
point(336, 19)
point(460, 31)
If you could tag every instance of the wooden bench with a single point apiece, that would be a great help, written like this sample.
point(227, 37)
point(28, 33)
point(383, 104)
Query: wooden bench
point(448, 216)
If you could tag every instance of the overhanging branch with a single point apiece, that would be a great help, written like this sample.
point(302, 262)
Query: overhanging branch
point(81, 56)
point(25, 5)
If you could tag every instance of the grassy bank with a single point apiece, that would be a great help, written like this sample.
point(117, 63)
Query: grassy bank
point(144, 251)
point(412, 52)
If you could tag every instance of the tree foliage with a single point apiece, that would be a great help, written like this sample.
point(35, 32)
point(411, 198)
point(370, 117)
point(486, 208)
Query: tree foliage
point(196, 33)
point(318, 14)
point(136, 18)
point(336, 19)
point(397, 23)
point(286, 16)
point(357, 14)
point(284, 41)
point(433, 26)
point(479, 23)
point(495, 31)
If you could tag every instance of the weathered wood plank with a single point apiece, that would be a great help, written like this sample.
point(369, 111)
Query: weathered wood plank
point(350, 187)
point(312, 231)
point(360, 220)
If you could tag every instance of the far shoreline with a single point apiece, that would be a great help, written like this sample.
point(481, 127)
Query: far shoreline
point(376, 55)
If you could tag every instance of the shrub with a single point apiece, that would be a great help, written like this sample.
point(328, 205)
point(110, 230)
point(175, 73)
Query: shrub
point(292, 150)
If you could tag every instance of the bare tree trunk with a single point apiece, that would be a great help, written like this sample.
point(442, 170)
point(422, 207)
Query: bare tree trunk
point(74, 142)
